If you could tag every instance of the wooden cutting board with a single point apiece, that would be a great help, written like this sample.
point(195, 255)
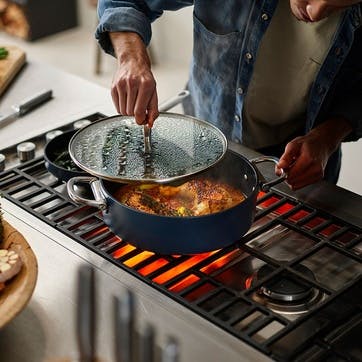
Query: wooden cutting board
point(11, 65)
point(18, 291)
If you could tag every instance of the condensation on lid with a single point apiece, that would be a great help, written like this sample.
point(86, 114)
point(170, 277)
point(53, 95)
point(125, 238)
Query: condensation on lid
point(113, 148)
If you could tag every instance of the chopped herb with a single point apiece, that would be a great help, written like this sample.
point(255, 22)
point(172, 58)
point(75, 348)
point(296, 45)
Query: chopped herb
point(63, 160)
point(3, 53)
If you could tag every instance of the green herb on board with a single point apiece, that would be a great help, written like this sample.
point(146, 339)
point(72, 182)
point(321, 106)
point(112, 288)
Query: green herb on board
point(3, 53)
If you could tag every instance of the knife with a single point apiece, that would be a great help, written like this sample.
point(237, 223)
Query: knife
point(26, 106)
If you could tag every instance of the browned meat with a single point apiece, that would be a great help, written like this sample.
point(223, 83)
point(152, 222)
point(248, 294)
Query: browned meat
point(193, 198)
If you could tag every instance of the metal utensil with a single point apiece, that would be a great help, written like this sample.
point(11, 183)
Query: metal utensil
point(124, 312)
point(170, 352)
point(86, 314)
point(147, 344)
point(163, 107)
point(26, 106)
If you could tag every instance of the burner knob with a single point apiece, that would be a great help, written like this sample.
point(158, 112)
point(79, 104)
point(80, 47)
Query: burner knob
point(52, 134)
point(2, 162)
point(81, 123)
point(26, 151)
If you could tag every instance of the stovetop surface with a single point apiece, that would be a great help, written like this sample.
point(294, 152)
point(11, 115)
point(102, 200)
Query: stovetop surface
point(289, 288)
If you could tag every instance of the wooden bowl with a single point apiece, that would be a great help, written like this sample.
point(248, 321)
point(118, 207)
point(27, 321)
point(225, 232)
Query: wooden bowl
point(18, 290)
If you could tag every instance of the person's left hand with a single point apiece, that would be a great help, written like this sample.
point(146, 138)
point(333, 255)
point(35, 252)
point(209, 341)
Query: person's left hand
point(306, 157)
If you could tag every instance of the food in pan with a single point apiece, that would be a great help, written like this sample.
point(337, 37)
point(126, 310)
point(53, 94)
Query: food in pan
point(192, 198)
point(63, 160)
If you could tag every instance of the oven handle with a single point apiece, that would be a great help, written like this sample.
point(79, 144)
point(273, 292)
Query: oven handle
point(99, 200)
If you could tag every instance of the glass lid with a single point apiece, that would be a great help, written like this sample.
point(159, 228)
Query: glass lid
point(114, 148)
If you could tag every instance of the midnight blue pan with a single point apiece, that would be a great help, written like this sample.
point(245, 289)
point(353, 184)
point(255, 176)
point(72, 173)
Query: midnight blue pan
point(182, 235)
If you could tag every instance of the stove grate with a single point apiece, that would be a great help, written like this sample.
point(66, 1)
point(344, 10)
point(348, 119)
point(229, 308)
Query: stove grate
point(223, 286)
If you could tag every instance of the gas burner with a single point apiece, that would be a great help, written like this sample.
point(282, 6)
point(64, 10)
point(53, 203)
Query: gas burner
point(286, 294)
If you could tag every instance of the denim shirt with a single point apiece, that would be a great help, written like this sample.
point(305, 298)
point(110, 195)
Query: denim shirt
point(227, 35)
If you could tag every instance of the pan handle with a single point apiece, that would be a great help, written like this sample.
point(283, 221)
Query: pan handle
point(173, 101)
point(99, 200)
point(265, 186)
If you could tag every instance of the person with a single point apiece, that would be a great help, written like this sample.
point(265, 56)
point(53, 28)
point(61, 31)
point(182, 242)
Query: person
point(281, 77)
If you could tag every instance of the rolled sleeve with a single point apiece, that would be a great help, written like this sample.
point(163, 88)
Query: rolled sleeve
point(122, 19)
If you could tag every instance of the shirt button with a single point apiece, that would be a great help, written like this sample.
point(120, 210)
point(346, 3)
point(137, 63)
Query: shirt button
point(248, 56)
point(237, 118)
point(240, 90)
point(265, 17)
point(339, 52)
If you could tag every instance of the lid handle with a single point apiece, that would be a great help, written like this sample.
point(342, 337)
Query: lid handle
point(164, 106)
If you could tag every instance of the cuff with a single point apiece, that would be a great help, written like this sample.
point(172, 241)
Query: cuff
point(122, 19)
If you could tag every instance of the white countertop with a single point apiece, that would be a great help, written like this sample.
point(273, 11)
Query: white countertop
point(73, 98)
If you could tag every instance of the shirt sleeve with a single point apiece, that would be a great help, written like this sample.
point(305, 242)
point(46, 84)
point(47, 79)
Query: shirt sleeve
point(350, 109)
point(133, 15)
point(347, 97)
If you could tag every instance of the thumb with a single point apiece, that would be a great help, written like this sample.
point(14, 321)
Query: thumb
point(310, 12)
point(291, 153)
point(316, 12)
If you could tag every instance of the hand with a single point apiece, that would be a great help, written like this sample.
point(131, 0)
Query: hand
point(133, 88)
point(306, 157)
point(315, 10)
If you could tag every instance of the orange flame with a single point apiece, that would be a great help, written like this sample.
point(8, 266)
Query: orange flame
point(180, 268)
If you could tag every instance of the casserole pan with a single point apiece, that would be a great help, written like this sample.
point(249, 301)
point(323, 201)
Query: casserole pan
point(182, 235)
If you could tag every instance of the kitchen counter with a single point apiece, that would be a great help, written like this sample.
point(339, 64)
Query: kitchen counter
point(45, 329)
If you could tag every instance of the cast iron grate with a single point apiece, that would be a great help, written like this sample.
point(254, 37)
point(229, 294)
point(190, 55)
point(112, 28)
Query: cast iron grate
point(222, 285)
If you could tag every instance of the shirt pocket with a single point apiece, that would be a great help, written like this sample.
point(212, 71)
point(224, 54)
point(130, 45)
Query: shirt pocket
point(216, 54)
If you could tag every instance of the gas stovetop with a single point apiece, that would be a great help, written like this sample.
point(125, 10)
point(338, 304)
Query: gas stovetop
point(290, 287)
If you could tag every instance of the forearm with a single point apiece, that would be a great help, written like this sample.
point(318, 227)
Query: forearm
point(332, 132)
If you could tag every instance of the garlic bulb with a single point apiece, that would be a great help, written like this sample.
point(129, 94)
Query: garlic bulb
point(10, 264)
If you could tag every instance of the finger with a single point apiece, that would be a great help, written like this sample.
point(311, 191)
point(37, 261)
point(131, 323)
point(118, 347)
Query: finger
point(132, 91)
point(291, 153)
point(317, 12)
point(302, 181)
point(143, 101)
point(122, 100)
point(305, 171)
point(115, 98)
point(152, 112)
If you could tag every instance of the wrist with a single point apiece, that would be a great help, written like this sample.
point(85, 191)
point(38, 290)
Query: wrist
point(129, 46)
point(333, 131)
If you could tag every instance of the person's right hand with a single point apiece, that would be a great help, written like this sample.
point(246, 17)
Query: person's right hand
point(134, 87)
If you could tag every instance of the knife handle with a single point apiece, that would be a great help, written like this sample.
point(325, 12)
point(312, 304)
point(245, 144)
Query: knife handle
point(30, 103)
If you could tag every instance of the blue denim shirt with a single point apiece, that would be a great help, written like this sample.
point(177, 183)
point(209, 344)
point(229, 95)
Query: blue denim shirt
point(227, 35)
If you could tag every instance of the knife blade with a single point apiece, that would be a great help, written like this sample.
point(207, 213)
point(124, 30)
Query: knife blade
point(26, 106)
